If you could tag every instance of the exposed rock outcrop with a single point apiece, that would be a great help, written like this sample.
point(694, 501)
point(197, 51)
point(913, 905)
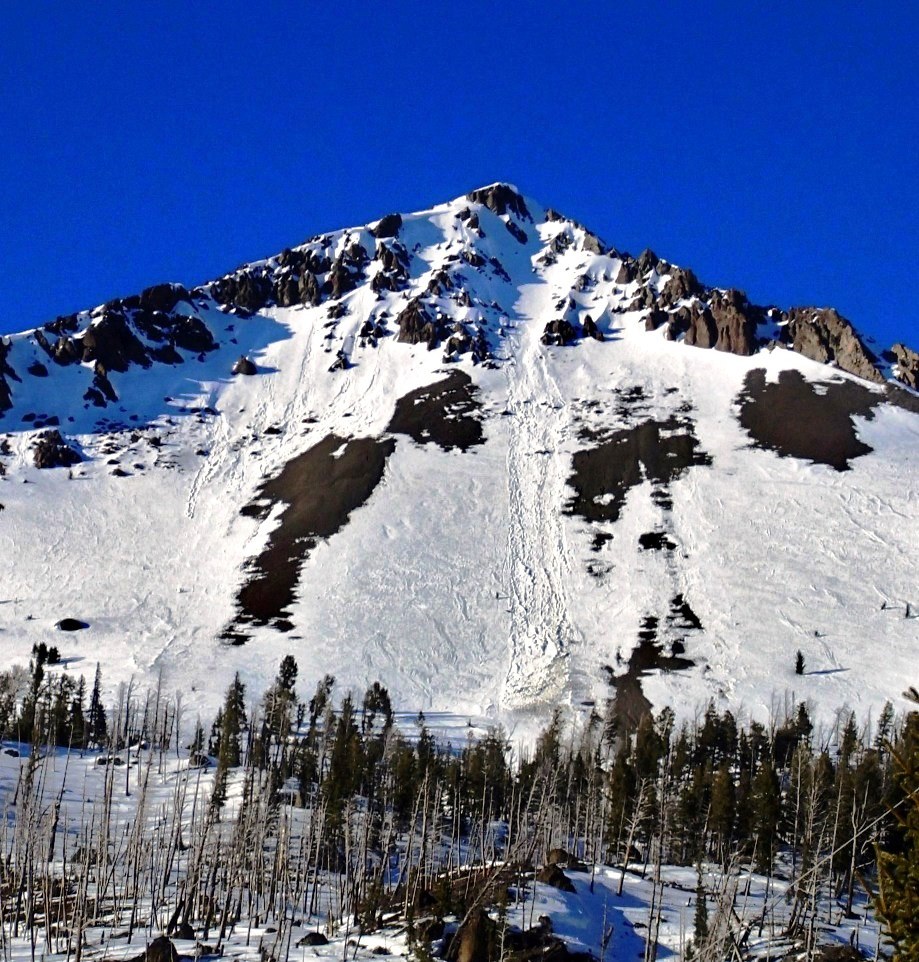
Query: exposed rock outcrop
point(591, 329)
point(245, 367)
point(51, 451)
point(824, 335)
point(907, 361)
point(6, 397)
point(728, 323)
point(682, 283)
point(387, 226)
point(416, 326)
point(558, 333)
point(500, 198)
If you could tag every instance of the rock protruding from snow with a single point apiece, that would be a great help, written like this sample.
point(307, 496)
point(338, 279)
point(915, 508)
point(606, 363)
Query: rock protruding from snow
point(6, 397)
point(728, 324)
point(416, 326)
point(907, 365)
point(501, 198)
point(824, 335)
point(387, 226)
point(245, 366)
point(51, 451)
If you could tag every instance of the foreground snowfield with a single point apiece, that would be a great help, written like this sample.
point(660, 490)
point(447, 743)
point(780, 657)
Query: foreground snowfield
point(462, 584)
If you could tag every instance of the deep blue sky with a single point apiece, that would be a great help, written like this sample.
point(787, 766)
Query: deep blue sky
point(770, 146)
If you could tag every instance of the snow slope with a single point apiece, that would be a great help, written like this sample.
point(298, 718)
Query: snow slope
point(464, 582)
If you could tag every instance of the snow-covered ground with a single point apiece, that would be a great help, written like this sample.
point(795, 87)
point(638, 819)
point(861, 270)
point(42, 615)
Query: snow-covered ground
point(462, 584)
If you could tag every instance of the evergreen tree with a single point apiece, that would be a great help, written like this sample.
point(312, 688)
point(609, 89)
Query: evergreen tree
point(97, 728)
point(898, 867)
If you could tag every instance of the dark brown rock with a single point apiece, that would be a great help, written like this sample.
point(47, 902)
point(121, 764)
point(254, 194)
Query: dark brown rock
point(554, 876)
point(51, 451)
point(161, 950)
point(37, 369)
point(647, 260)
point(111, 341)
point(516, 232)
point(681, 283)
point(308, 288)
point(71, 624)
point(591, 329)
point(244, 366)
point(191, 334)
point(824, 335)
point(558, 333)
point(248, 289)
point(416, 326)
point(643, 299)
point(626, 273)
point(387, 226)
point(312, 938)
point(655, 319)
point(907, 365)
point(736, 321)
point(500, 198)
point(473, 939)
point(162, 297)
point(702, 331)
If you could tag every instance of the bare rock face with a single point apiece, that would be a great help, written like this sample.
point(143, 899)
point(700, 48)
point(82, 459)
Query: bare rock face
point(727, 324)
point(246, 289)
point(907, 365)
point(500, 198)
point(416, 326)
point(647, 260)
point(826, 336)
point(51, 451)
point(162, 297)
point(111, 341)
point(736, 321)
point(6, 397)
point(702, 331)
point(681, 283)
point(626, 273)
point(387, 226)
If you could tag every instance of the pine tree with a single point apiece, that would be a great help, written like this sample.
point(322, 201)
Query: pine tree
point(97, 728)
point(799, 663)
point(898, 867)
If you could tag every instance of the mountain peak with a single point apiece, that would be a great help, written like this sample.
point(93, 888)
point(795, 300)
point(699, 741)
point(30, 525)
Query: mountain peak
point(471, 452)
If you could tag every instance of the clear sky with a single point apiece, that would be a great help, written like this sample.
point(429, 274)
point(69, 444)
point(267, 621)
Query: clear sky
point(769, 146)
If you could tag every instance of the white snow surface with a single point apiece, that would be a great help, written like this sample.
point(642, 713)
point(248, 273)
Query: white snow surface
point(461, 584)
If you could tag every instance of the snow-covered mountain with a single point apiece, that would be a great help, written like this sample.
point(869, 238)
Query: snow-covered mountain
point(478, 455)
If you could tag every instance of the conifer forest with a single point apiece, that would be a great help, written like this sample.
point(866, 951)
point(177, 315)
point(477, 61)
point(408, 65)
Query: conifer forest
point(300, 823)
